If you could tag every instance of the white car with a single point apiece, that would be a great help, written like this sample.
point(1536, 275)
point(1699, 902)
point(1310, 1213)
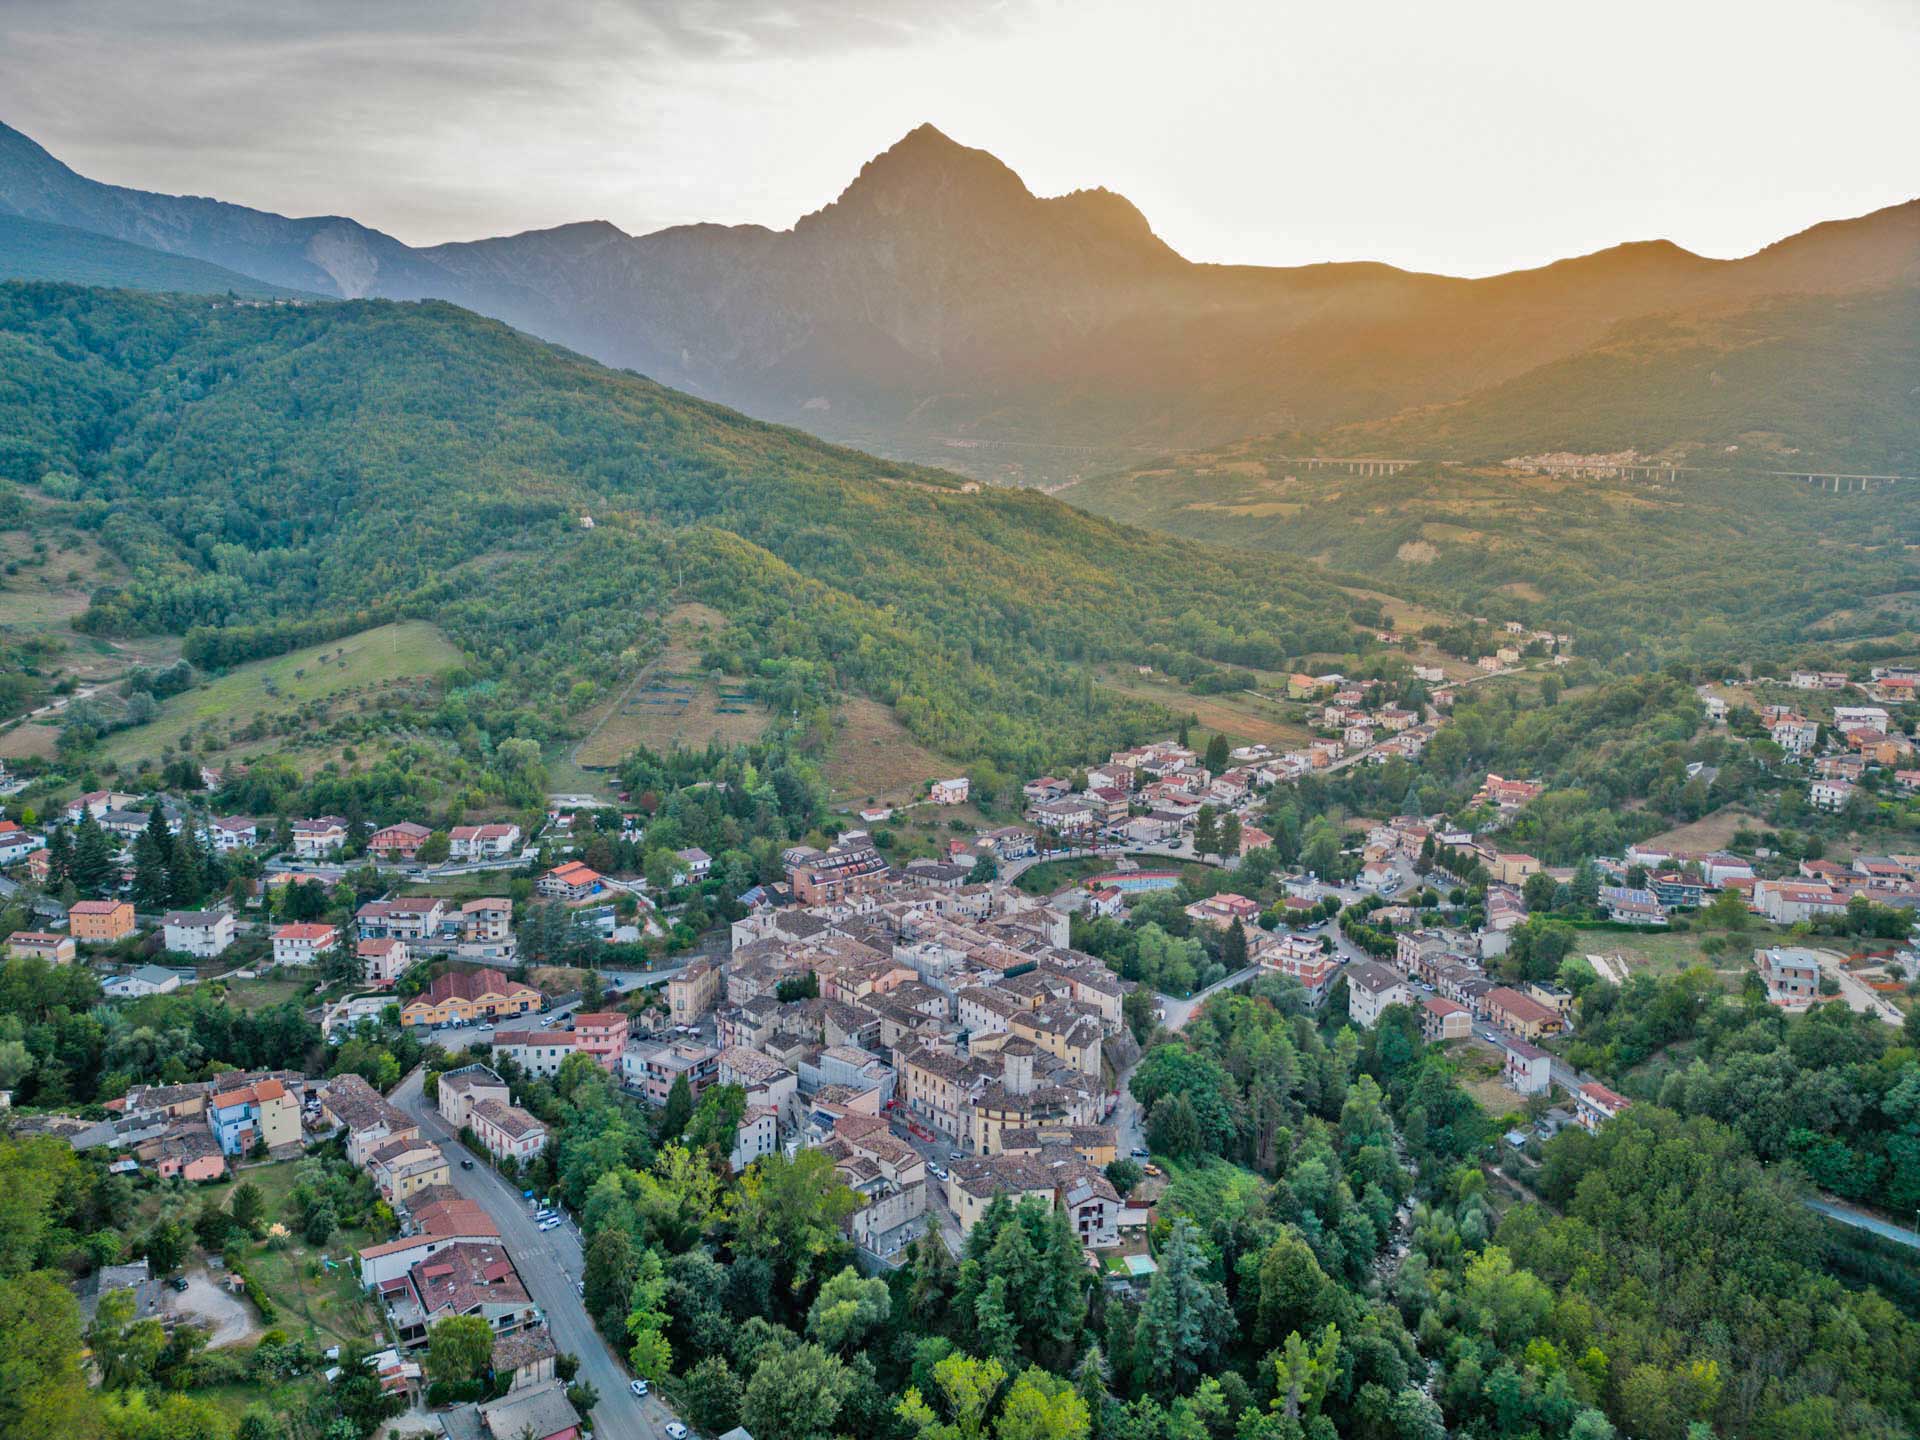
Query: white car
point(638, 1387)
point(553, 1224)
point(676, 1431)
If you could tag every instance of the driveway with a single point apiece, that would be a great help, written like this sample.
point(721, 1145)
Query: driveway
point(204, 1302)
point(550, 1265)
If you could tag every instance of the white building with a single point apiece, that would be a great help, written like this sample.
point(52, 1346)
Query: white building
point(317, 839)
point(482, 842)
point(303, 944)
point(200, 933)
point(232, 832)
point(1371, 988)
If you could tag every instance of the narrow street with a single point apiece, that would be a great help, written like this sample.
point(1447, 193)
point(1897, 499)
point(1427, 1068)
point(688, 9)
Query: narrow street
point(550, 1263)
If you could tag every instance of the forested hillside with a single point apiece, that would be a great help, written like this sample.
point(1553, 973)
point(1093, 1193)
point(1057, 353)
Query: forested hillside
point(273, 475)
point(1709, 566)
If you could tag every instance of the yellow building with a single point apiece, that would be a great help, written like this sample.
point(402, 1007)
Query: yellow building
point(101, 921)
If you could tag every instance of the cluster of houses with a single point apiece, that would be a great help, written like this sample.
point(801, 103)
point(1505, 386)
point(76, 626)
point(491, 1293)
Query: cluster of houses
point(449, 1259)
point(1148, 796)
point(922, 1007)
point(1861, 739)
point(197, 1130)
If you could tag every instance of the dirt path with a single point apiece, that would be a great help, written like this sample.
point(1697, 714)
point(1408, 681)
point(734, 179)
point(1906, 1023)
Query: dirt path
point(208, 1304)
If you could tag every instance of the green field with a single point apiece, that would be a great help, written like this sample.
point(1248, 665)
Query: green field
point(410, 650)
point(1664, 952)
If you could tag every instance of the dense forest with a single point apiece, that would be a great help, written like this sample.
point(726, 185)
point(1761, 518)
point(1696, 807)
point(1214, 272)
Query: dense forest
point(276, 475)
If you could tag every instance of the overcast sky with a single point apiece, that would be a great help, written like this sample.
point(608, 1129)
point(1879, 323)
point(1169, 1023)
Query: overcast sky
point(1448, 135)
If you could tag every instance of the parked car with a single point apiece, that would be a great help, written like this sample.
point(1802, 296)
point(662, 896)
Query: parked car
point(638, 1387)
point(553, 1224)
point(1139, 1152)
point(676, 1431)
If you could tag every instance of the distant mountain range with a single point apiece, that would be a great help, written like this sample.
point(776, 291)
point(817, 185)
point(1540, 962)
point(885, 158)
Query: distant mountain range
point(940, 311)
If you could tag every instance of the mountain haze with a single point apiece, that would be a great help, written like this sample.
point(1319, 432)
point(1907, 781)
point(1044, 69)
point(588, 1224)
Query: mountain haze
point(939, 310)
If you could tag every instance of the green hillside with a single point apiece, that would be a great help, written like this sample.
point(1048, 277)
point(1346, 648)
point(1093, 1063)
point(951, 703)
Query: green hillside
point(279, 476)
point(1716, 566)
point(35, 250)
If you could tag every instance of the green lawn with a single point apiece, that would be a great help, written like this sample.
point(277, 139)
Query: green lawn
point(1662, 952)
point(410, 650)
point(326, 1306)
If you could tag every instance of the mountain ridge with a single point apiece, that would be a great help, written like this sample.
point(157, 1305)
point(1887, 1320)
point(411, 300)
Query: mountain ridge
point(938, 310)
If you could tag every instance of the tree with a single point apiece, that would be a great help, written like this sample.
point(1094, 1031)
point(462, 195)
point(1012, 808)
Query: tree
point(124, 1346)
point(166, 1246)
point(1040, 1406)
point(92, 855)
point(1218, 753)
point(459, 1348)
point(651, 1355)
point(1206, 832)
point(847, 1309)
point(788, 1211)
point(710, 1396)
point(969, 1385)
point(795, 1394)
point(248, 1206)
point(1539, 891)
point(611, 1267)
point(678, 1110)
point(1186, 1321)
point(1233, 953)
point(45, 1396)
point(320, 1225)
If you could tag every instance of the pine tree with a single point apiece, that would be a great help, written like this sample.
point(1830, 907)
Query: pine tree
point(59, 858)
point(678, 1110)
point(1186, 1321)
point(1206, 833)
point(1217, 753)
point(1229, 834)
point(152, 886)
point(92, 856)
point(1233, 954)
point(188, 872)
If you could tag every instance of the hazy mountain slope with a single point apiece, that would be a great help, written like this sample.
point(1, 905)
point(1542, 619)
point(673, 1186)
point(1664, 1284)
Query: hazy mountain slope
point(1818, 382)
point(939, 310)
point(33, 250)
point(266, 471)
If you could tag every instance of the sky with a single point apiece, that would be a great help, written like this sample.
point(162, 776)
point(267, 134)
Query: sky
point(1465, 137)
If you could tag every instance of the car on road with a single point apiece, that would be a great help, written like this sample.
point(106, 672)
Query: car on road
point(638, 1387)
point(676, 1431)
point(553, 1224)
point(957, 1155)
point(1139, 1152)
point(466, 1164)
point(179, 1282)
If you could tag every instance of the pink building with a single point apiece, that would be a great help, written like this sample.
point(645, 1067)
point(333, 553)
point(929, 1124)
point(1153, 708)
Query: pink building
point(603, 1035)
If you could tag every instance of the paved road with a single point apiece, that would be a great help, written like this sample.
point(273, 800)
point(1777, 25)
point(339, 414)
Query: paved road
point(1179, 1012)
point(1860, 1220)
point(550, 1264)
